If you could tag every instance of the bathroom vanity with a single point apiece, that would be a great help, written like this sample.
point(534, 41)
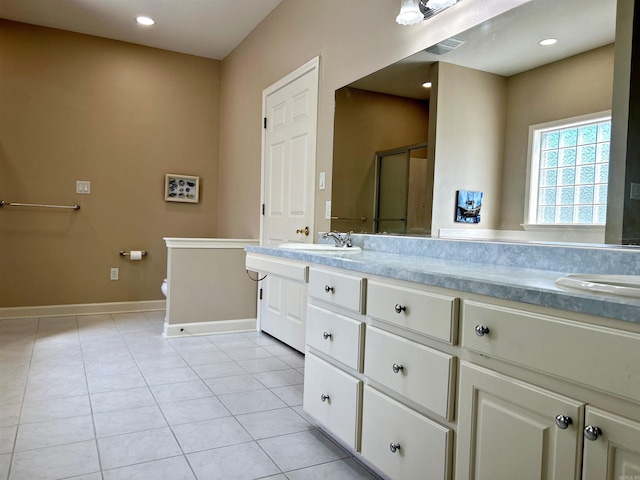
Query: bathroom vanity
point(458, 360)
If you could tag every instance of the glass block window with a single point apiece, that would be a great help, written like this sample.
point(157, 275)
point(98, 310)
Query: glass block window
point(570, 172)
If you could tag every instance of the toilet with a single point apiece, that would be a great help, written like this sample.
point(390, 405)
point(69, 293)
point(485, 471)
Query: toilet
point(164, 287)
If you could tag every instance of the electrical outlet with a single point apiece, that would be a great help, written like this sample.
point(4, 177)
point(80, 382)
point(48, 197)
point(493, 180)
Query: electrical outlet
point(327, 210)
point(83, 187)
point(114, 274)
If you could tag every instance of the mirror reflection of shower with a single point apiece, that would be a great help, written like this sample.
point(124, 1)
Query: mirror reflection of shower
point(402, 203)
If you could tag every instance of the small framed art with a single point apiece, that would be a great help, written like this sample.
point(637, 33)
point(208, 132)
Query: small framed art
point(181, 188)
point(468, 205)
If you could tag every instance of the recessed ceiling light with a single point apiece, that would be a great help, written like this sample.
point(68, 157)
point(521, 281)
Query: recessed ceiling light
point(548, 41)
point(426, 84)
point(145, 20)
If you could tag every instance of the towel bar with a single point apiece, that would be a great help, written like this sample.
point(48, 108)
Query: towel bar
point(14, 204)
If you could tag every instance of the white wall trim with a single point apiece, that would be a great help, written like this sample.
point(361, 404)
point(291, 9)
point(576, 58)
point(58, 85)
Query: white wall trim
point(209, 328)
point(81, 309)
point(209, 242)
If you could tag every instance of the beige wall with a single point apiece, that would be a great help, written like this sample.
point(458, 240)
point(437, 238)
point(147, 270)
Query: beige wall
point(210, 285)
point(366, 123)
point(576, 86)
point(469, 141)
point(75, 107)
point(353, 38)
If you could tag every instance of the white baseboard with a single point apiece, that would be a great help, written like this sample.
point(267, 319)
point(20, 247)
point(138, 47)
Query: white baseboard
point(81, 309)
point(209, 328)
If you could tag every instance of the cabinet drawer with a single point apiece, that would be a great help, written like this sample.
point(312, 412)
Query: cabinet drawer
point(337, 288)
point(288, 269)
point(332, 397)
point(335, 335)
point(425, 446)
point(423, 312)
point(575, 351)
point(419, 373)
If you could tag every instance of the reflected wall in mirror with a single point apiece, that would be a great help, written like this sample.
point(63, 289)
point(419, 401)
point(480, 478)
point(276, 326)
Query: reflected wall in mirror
point(489, 85)
point(368, 122)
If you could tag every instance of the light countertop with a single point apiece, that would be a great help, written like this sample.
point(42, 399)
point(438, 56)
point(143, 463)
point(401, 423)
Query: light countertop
point(527, 285)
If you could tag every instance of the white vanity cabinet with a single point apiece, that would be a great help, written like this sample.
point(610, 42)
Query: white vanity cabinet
point(508, 427)
point(334, 348)
point(402, 443)
point(410, 386)
point(282, 298)
point(371, 382)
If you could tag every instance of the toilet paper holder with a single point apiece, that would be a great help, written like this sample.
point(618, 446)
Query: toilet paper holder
point(126, 254)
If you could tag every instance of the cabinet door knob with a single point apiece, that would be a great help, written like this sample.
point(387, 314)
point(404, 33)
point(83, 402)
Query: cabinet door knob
point(397, 368)
point(592, 433)
point(394, 447)
point(481, 330)
point(328, 289)
point(399, 308)
point(326, 335)
point(304, 230)
point(563, 421)
point(324, 397)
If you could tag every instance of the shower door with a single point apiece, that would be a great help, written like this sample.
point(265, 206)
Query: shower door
point(402, 202)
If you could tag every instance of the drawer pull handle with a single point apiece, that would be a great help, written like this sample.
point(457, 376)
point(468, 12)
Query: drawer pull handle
point(324, 397)
point(397, 368)
point(394, 447)
point(328, 289)
point(399, 308)
point(481, 330)
point(563, 422)
point(326, 335)
point(592, 433)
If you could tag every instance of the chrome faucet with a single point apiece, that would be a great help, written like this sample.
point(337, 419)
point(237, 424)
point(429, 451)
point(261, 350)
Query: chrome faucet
point(342, 240)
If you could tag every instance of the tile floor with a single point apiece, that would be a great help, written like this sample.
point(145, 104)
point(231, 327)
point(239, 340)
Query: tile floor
point(106, 397)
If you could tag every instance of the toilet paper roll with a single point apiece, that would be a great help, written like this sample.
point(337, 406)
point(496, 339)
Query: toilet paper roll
point(135, 255)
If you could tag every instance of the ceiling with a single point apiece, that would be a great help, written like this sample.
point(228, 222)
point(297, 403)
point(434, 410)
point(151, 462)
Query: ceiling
point(207, 28)
point(508, 44)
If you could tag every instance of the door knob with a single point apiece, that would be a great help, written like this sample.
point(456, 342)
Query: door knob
point(304, 230)
point(563, 422)
point(399, 308)
point(481, 330)
point(592, 433)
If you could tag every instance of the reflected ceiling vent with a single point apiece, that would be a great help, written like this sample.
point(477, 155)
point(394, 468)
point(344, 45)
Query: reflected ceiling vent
point(444, 46)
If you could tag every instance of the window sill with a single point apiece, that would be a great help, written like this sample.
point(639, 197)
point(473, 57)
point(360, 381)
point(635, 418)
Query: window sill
point(563, 227)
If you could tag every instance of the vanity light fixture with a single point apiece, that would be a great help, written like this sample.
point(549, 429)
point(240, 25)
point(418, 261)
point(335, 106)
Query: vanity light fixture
point(145, 21)
point(426, 84)
point(548, 41)
point(413, 12)
point(410, 13)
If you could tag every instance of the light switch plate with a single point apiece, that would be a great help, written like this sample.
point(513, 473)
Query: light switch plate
point(321, 180)
point(635, 191)
point(83, 187)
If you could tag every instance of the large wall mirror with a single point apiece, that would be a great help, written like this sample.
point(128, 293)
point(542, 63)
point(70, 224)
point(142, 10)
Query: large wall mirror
point(489, 85)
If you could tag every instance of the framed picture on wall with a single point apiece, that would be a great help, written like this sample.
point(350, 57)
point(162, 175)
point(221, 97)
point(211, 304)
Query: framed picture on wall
point(181, 188)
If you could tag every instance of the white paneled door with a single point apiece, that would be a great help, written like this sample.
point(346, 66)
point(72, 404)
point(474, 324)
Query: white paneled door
point(288, 176)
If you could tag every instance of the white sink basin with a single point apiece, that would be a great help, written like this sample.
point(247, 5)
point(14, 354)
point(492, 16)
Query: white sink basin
point(626, 285)
point(319, 247)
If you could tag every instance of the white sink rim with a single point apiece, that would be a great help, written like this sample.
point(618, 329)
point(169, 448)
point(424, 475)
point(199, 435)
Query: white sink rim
point(623, 285)
point(319, 247)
